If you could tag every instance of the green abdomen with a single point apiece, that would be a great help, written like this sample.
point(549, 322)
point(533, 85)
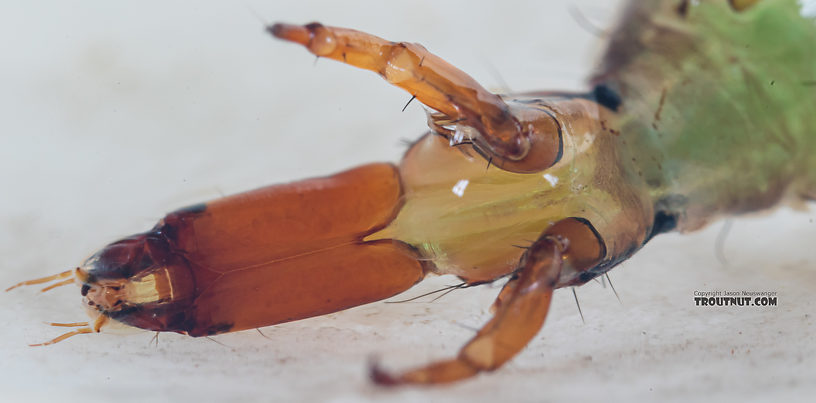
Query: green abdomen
point(719, 109)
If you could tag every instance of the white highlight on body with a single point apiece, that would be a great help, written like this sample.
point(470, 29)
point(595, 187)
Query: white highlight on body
point(551, 178)
point(398, 67)
point(459, 188)
point(458, 136)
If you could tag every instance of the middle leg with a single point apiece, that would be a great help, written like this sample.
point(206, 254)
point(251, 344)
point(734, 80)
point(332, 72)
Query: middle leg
point(569, 246)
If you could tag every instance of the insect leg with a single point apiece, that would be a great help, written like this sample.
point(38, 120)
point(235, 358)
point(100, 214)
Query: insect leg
point(569, 245)
point(529, 139)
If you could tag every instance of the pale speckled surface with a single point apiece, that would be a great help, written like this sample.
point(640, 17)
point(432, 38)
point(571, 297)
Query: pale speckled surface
point(114, 115)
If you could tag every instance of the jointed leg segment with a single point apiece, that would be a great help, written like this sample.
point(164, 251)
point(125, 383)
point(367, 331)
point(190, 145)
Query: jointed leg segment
point(530, 141)
point(521, 307)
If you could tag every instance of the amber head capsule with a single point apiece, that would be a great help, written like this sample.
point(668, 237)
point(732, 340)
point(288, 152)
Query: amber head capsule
point(272, 255)
point(139, 281)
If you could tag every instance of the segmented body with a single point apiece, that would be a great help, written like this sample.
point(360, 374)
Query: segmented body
point(718, 106)
point(710, 113)
point(699, 109)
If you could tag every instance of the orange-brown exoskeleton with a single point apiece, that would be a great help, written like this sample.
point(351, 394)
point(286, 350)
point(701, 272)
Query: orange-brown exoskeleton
point(563, 169)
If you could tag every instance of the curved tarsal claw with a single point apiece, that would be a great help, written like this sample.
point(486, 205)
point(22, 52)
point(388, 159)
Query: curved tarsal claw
point(435, 83)
point(46, 279)
point(436, 373)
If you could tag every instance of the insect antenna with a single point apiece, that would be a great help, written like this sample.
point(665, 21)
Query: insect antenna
point(574, 294)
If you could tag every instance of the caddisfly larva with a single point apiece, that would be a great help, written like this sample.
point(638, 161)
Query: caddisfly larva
point(682, 125)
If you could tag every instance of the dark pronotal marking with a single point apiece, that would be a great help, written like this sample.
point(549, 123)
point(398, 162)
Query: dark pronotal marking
point(598, 236)
point(588, 275)
point(194, 209)
point(123, 314)
point(312, 26)
point(560, 152)
point(167, 227)
point(663, 222)
point(218, 328)
point(683, 8)
point(179, 321)
point(606, 97)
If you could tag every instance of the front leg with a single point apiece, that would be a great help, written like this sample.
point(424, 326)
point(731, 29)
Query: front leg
point(520, 138)
point(568, 246)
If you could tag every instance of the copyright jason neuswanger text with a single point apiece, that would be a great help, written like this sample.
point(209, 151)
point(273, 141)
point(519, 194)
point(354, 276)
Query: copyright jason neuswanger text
point(736, 298)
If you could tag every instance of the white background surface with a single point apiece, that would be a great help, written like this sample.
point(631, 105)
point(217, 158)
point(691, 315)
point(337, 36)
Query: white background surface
point(113, 115)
